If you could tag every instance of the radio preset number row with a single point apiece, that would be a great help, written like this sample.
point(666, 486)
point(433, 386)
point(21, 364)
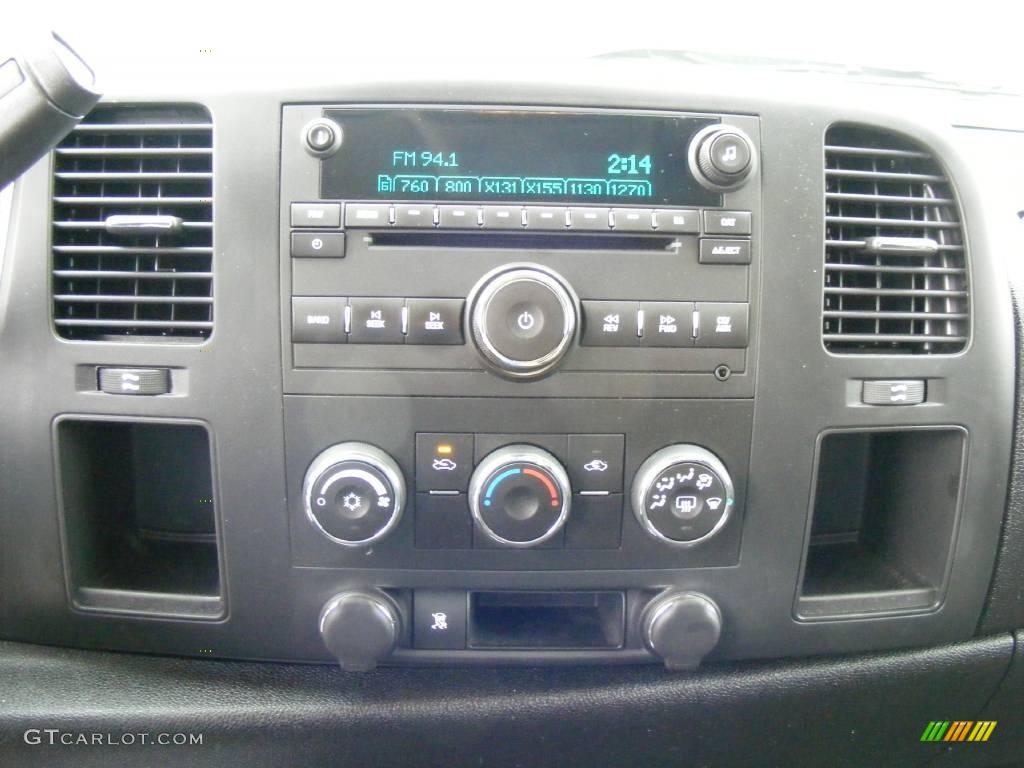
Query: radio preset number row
point(533, 217)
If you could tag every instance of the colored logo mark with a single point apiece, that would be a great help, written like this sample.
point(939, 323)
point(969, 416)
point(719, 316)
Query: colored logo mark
point(959, 730)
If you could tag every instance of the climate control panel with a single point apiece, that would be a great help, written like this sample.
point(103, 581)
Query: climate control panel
point(546, 492)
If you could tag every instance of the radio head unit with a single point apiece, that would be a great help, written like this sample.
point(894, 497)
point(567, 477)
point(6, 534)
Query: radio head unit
point(570, 252)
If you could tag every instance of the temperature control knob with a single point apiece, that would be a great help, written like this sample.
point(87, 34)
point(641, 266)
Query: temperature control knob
point(522, 318)
point(519, 496)
point(722, 157)
point(354, 494)
point(682, 495)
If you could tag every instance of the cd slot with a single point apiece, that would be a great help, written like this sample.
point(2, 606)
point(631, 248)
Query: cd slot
point(564, 241)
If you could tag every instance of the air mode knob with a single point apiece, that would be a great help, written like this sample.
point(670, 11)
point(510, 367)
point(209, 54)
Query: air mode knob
point(360, 629)
point(519, 496)
point(353, 494)
point(722, 157)
point(522, 318)
point(682, 495)
point(681, 628)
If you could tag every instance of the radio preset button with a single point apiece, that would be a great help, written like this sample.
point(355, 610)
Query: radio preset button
point(503, 216)
point(316, 214)
point(632, 219)
point(727, 222)
point(434, 321)
point(590, 219)
point(376, 321)
point(367, 215)
point(458, 217)
point(722, 324)
point(318, 320)
point(667, 323)
point(318, 244)
point(610, 324)
point(545, 218)
point(717, 251)
point(413, 215)
point(682, 222)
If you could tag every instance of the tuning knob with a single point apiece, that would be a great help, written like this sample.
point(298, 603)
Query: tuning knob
point(519, 496)
point(681, 628)
point(360, 629)
point(522, 319)
point(353, 494)
point(722, 157)
point(682, 495)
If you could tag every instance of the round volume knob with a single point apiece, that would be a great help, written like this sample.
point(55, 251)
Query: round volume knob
point(522, 318)
point(682, 495)
point(322, 137)
point(353, 493)
point(681, 628)
point(721, 157)
point(360, 629)
point(519, 496)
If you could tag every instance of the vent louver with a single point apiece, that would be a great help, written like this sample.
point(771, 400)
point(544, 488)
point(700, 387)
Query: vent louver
point(133, 225)
point(895, 265)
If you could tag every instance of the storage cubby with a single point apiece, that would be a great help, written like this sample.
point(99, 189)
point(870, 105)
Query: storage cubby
point(139, 518)
point(883, 522)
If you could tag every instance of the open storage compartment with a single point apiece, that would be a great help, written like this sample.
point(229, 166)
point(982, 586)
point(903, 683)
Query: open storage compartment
point(547, 620)
point(138, 515)
point(884, 521)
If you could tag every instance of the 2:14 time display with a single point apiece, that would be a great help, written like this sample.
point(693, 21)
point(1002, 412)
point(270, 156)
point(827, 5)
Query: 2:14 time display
point(629, 165)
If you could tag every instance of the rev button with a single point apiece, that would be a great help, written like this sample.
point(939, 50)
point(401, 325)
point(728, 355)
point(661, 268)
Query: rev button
point(610, 324)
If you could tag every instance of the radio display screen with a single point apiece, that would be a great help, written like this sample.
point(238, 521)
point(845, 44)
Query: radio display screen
point(514, 156)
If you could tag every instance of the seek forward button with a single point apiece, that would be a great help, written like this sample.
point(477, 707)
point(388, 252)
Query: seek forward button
point(435, 321)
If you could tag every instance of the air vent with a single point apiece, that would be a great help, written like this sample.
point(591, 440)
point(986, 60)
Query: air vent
point(133, 225)
point(895, 266)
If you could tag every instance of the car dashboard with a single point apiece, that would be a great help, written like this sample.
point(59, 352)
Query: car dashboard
point(505, 394)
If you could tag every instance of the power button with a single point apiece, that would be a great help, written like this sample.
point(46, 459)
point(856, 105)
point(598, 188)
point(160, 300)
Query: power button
point(523, 320)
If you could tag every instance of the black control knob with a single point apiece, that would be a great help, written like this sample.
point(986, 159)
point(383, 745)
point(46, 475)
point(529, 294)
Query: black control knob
point(322, 137)
point(354, 493)
point(360, 629)
point(522, 318)
point(520, 496)
point(722, 157)
point(681, 628)
point(682, 495)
